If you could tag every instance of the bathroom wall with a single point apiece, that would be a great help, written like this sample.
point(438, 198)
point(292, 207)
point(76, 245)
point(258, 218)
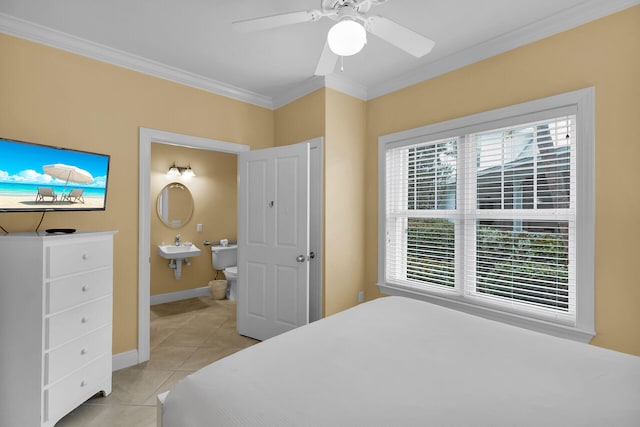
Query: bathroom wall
point(214, 191)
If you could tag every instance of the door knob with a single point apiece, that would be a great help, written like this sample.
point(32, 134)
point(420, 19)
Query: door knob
point(301, 258)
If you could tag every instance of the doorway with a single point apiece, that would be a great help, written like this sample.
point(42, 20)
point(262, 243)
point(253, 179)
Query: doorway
point(148, 136)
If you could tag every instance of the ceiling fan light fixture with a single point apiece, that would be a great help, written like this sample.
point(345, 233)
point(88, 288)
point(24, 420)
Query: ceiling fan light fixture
point(347, 38)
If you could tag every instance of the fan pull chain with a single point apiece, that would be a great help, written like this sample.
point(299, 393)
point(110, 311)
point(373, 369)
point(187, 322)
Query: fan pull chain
point(341, 63)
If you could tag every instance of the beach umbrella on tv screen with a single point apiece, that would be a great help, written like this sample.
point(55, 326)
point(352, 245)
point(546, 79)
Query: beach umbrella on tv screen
point(68, 173)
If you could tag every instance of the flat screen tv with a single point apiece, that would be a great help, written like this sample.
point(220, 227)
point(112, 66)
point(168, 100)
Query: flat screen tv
point(38, 178)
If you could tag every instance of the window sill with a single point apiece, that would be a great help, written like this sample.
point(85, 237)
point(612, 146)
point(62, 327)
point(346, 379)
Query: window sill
point(542, 326)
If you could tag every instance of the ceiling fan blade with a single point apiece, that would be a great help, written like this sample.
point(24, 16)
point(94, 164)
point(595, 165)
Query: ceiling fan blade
point(399, 36)
point(269, 22)
point(327, 61)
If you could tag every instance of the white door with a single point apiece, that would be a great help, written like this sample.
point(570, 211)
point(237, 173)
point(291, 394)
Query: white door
point(273, 240)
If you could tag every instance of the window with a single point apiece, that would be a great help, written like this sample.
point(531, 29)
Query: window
point(493, 214)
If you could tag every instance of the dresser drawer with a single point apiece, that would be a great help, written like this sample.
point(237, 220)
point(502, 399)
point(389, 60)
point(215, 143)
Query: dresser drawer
point(75, 257)
point(70, 324)
point(66, 359)
point(73, 390)
point(73, 290)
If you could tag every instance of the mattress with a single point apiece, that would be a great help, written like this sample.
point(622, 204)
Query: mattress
point(402, 362)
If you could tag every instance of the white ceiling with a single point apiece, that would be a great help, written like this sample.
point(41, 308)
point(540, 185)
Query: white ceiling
point(192, 41)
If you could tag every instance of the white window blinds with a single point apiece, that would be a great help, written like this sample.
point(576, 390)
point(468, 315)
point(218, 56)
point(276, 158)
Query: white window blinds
point(487, 215)
point(421, 207)
point(524, 215)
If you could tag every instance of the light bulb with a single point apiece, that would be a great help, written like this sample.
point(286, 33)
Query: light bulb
point(173, 171)
point(347, 38)
point(188, 173)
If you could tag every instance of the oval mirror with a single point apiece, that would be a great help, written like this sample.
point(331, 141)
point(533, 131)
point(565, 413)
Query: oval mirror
point(175, 205)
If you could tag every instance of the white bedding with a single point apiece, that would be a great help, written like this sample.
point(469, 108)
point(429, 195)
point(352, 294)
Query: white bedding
point(401, 362)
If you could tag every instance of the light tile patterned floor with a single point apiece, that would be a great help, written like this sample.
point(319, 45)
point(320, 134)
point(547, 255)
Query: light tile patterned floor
point(185, 336)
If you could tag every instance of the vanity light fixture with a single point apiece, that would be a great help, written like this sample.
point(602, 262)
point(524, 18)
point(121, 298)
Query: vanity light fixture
point(176, 171)
point(188, 173)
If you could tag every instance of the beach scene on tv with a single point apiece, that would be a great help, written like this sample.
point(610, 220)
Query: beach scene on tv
point(38, 177)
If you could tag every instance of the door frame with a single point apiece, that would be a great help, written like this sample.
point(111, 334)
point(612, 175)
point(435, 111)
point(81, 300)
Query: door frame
point(148, 136)
point(316, 227)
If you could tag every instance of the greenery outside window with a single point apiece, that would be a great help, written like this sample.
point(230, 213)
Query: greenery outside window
point(493, 214)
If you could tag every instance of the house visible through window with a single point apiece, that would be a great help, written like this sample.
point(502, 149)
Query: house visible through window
point(484, 212)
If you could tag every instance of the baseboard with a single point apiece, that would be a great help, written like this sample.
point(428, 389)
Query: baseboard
point(124, 360)
point(180, 295)
point(160, 407)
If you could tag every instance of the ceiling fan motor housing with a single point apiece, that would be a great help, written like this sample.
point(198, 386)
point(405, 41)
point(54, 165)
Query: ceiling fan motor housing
point(339, 9)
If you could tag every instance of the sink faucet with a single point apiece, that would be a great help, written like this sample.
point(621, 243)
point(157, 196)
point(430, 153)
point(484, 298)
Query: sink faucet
point(178, 240)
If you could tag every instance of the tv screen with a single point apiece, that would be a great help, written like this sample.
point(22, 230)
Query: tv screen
point(36, 177)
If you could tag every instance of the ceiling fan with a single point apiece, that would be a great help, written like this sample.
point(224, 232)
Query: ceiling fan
point(348, 36)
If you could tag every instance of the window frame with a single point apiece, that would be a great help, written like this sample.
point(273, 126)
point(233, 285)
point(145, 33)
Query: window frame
point(582, 104)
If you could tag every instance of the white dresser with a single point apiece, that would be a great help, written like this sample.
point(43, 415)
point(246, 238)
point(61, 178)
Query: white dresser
point(55, 324)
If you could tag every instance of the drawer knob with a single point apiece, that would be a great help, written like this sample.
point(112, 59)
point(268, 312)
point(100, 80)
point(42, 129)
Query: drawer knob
point(84, 351)
point(85, 288)
point(85, 319)
point(83, 383)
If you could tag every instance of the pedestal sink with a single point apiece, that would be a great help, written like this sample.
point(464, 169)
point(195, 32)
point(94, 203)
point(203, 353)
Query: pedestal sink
point(177, 254)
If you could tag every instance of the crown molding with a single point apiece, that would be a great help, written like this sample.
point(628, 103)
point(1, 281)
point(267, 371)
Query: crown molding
point(563, 21)
point(349, 87)
point(332, 81)
point(569, 18)
point(60, 40)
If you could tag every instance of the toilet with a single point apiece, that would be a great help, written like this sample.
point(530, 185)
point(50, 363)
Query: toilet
point(225, 258)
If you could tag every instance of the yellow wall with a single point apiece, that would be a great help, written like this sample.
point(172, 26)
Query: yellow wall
point(604, 54)
point(344, 211)
point(215, 201)
point(57, 98)
point(301, 120)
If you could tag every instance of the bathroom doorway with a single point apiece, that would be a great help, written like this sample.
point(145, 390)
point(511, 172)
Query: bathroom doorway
point(149, 136)
point(186, 208)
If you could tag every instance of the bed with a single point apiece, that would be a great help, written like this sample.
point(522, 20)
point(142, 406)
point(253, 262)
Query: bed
point(396, 361)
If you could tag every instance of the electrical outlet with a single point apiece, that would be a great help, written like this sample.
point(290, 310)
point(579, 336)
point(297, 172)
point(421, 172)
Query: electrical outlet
point(361, 296)
point(199, 228)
